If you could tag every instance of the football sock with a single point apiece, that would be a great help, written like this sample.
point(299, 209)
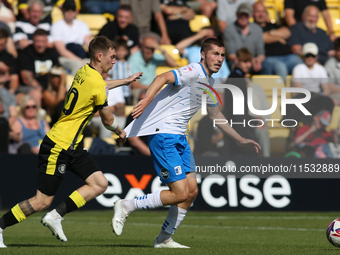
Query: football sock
point(171, 223)
point(152, 200)
point(73, 202)
point(14, 216)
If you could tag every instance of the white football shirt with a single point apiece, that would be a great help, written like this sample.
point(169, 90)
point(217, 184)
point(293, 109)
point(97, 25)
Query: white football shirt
point(175, 105)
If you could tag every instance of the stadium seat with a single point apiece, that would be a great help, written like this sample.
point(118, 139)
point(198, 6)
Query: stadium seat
point(278, 140)
point(335, 118)
point(272, 12)
point(171, 50)
point(268, 82)
point(276, 114)
point(334, 12)
point(199, 22)
point(56, 14)
point(163, 69)
point(94, 21)
point(128, 109)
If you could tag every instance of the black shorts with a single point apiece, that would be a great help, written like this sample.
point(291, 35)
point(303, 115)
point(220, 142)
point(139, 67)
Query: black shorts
point(54, 161)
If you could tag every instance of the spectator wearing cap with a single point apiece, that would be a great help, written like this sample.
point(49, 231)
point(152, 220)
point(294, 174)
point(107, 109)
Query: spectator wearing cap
point(310, 74)
point(69, 35)
point(332, 67)
point(226, 12)
point(306, 31)
point(242, 33)
point(279, 59)
point(24, 29)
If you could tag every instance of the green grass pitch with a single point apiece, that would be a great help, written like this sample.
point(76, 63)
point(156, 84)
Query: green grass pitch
point(89, 232)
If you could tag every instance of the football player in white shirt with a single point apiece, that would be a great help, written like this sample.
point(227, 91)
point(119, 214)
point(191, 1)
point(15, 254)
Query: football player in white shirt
point(165, 120)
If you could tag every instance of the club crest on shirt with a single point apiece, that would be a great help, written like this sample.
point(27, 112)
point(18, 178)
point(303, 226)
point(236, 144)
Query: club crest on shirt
point(164, 173)
point(178, 170)
point(186, 69)
point(62, 168)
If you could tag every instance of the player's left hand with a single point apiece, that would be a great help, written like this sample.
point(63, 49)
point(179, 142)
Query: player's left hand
point(139, 108)
point(133, 78)
point(250, 144)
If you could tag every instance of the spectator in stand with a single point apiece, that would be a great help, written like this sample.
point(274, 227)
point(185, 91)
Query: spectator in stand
point(46, 16)
point(69, 35)
point(279, 59)
point(24, 29)
point(306, 31)
point(226, 12)
point(310, 74)
point(147, 61)
point(122, 27)
point(313, 77)
point(8, 63)
point(191, 51)
point(177, 16)
point(143, 12)
point(33, 128)
point(35, 63)
point(7, 16)
point(56, 89)
point(204, 7)
point(316, 135)
point(139, 144)
point(10, 46)
point(242, 33)
point(9, 103)
point(294, 11)
point(122, 69)
point(332, 67)
point(100, 6)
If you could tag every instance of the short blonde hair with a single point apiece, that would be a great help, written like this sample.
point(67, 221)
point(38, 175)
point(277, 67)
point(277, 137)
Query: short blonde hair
point(23, 105)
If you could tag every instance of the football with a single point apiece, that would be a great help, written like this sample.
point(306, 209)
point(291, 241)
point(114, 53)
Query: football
point(333, 232)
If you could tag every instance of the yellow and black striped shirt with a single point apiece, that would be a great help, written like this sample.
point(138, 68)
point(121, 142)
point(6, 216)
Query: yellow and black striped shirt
point(87, 95)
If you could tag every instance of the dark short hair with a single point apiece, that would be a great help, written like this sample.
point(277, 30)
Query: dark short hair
point(244, 54)
point(121, 42)
point(100, 43)
point(206, 44)
point(337, 43)
point(125, 7)
point(3, 33)
point(40, 31)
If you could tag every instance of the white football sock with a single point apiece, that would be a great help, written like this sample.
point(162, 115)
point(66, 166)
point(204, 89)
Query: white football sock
point(152, 200)
point(171, 223)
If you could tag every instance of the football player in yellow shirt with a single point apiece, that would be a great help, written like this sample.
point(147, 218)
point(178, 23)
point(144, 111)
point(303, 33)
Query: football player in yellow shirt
point(60, 150)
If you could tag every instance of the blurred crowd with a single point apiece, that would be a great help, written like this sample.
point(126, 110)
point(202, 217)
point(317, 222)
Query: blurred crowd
point(38, 54)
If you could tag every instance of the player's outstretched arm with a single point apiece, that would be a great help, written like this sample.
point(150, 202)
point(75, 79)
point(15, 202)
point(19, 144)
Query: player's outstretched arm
point(110, 123)
point(156, 85)
point(215, 114)
point(116, 83)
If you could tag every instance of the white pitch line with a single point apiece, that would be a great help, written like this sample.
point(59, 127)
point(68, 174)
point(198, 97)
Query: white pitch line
point(234, 227)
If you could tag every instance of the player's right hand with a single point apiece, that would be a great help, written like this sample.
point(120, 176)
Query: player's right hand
point(122, 135)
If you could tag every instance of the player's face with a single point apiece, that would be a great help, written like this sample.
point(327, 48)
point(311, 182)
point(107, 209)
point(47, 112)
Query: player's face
point(40, 43)
point(108, 60)
point(213, 59)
